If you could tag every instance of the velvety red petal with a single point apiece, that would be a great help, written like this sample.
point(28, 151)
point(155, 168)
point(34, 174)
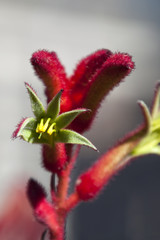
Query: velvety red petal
point(82, 75)
point(49, 69)
point(87, 67)
point(111, 73)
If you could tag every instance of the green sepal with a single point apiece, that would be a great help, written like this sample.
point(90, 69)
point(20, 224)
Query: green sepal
point(148, 145)
point(156, 101)
point(27, 130)
point(69, 136)
point(28, 133)
point(54, 106)
point(37, 106)
point(146, 115)
point(66, 118)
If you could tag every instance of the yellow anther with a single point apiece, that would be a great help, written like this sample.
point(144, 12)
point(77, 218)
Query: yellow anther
point(41, 127)
point(46, 124)
point(51, 129)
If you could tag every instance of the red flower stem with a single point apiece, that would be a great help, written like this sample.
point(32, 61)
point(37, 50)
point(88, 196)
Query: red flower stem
point(64, 179)
point(59, 236)
point(72, 201)
point(57, 228)
point(62, 205)
point(52, 221)
point(62, 188)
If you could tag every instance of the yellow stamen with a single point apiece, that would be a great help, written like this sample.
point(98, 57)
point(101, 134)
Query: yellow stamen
point(41, 127)
point(51, 130)
point(46, 124)
point(40, 135)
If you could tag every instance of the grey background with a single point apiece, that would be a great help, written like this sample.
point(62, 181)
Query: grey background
point(129, 206)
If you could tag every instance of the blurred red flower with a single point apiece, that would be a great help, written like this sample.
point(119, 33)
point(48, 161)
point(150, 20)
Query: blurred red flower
point(16, 219)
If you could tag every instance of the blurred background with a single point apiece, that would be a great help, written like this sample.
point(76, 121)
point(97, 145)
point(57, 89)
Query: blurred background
point(129, 208)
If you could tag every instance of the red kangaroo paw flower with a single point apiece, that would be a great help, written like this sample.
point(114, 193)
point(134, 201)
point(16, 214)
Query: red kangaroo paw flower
point(92, 80)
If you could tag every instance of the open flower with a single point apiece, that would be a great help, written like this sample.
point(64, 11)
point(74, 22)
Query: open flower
point(94, 77)
point(48, 126)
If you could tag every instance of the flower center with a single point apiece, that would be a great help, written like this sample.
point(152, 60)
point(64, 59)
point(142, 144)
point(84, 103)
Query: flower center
point(43, 127)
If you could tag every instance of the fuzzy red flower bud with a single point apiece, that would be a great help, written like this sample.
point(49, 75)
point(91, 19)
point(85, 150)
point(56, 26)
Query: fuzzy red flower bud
point(90, 183)
point(43, 210)
point(35, 193)
point(54, 158)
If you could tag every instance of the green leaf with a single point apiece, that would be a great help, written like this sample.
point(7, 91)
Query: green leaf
point(27, 130)
point(68, 136)
point(54, 106)
point(37, 106)
point(66, 118)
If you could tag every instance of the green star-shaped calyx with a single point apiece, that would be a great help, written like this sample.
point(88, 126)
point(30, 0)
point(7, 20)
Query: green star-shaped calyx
point(48, 126)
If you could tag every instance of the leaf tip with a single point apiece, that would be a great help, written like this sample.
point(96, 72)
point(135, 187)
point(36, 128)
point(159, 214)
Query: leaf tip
point(146, 114)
